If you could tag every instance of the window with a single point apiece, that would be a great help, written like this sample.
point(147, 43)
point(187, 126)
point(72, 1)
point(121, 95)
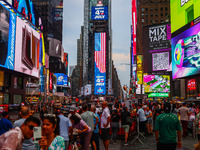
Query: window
point(142, 20)
point(142, 9)
point(161, 20)
point(151, 15)
point(146, 9)
point(161, 14)
point(146, 15)
point(151, 9)
point(156, 20)
point(146, 20)
point(18, 82)
point(142, 15)
point(166, 8)
point(161, 9)
point(156, 15)
point(156, 9)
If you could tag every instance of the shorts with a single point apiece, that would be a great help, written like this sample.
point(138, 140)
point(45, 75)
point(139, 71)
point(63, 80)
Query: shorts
point(149, 121)
point(105, 134)
point(126, 128)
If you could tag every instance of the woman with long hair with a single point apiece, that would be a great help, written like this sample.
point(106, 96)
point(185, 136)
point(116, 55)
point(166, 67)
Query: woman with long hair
point(50, 139)
point(83, 129)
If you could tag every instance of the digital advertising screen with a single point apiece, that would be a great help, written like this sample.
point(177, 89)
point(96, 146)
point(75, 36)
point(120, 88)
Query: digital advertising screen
point(27, 49)
point(100, 64)
point(55, 47)
point(26, 8)
point(62, 79)
point(57, 13)
point(186, 52)
point(157, 47)
point(156, 83)
point(7, 38)
point(183, 12)
point(100, 13)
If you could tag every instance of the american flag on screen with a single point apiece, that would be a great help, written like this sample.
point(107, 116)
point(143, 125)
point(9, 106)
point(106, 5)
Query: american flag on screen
point(100, 51)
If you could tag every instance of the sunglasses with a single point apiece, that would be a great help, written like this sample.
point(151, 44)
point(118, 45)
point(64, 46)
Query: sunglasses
point(30, 126)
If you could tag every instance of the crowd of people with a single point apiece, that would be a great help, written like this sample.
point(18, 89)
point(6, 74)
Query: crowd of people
point(87, 124)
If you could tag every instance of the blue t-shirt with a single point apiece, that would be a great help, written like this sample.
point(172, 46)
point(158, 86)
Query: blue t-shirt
point(64, 127)
point(5, 125)
point(97, 128)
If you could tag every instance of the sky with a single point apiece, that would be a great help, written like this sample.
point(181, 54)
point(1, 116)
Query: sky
point(73, 15)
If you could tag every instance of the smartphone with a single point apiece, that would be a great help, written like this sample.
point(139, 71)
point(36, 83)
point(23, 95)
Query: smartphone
point(37, 134)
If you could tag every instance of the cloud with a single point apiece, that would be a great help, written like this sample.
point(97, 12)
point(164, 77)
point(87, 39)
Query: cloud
point(119, 58)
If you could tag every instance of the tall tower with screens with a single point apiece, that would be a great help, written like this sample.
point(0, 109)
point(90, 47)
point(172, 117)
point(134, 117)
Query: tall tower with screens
point(97, 46)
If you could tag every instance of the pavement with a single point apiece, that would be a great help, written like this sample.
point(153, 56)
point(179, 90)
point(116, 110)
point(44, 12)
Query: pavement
point(149, 143)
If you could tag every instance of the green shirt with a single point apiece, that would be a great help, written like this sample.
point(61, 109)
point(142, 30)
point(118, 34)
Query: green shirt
point(167, 124)
point(88, 117)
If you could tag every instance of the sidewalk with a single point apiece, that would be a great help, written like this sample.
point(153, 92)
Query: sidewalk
point(150, 144)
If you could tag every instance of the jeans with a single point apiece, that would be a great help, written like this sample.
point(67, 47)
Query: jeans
point(114, 127)
point(96, 139)
point(185, 125)
point(66, 145)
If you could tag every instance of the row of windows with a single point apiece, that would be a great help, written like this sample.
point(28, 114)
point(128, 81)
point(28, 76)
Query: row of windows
point(156, 9)
point(156, 20)
point(156, 15)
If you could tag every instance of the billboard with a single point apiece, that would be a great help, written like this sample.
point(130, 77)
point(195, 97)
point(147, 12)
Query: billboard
point(62, 79)
point(186, 52)
point(100, 64)
point(87, 89)
point(66, 62)
point(26, 8)
point(100, 13)
point(139, 69)
point(27, 49)
point(157, 47)
point(57, 13)
point(156, 83)
point(7, 37)
point(55, 47)
point(183, 12)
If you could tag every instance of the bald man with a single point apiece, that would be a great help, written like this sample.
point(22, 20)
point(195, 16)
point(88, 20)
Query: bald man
point(105, 124)
point(27, 144)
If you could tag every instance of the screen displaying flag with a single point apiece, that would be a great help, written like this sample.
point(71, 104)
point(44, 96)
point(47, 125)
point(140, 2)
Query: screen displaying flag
point(100, 64)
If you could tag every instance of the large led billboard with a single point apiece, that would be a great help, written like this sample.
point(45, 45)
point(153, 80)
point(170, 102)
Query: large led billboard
point(62, 79)
point(156, 83)
point(27, 49)
point(186, 52)
point(55, 47)
point(183, 12)
point(100, 64)
point(7, 37)
point(157, 47)
point(100, 13)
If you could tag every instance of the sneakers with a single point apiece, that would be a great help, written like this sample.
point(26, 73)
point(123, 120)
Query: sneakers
point(125, 144)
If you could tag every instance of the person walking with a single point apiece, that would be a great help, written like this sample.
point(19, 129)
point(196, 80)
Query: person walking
point(148, 114)
point(5, 124)
point(65, 128)
point(114, 125)
point(96, 128)
point(105, 124)
point(167, 127)
point(184, 117)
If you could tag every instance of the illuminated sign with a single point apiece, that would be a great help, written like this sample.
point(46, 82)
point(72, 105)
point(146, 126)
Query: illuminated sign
point(191, 84)
point(100, 13)
point(158, 95)
point(156, 83)
point(139, 69)
point(100, 64)
point(134, 24)
point(62, 79)
point(186, 52)
point(7, 38)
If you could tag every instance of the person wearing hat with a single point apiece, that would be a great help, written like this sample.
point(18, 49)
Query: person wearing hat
point(167, 127)
point(72, 111)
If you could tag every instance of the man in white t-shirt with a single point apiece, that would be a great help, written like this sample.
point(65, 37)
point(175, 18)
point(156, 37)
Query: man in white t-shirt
point(142, 118)
point(105, 124)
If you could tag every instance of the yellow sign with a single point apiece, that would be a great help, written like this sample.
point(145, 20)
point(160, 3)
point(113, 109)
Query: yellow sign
point(139, 69)
point(1, 78)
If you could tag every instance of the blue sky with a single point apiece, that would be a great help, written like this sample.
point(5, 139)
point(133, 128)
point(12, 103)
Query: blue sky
point(121, 22)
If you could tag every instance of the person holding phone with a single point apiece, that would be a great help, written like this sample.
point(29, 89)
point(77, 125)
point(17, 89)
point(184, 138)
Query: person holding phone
point(50, 140)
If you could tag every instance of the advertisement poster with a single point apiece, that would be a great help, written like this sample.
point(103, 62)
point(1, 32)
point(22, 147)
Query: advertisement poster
point(57, 13)
point(87, 89)
point(100, 13)
point(100, 64)
point(62, 79)
point(134, 25)
point(157, 47)
point(183, 12)
point(156, 83)
point(186, 53)
point(139, 69)
point(27, 49)
point(7, 38)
